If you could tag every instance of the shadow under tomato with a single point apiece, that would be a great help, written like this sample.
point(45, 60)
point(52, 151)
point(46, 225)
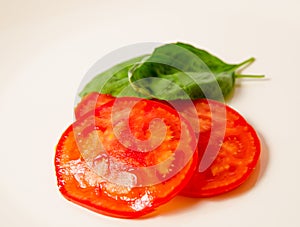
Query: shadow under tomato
point(265, 155)
point(177, 204)
point(182, 203)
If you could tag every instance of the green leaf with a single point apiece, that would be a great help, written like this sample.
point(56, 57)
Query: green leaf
point(172, 71)
point(113, 81)
point(185, 71)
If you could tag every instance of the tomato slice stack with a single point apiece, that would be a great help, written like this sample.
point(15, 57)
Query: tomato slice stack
point(101, 165)
point(124, 157)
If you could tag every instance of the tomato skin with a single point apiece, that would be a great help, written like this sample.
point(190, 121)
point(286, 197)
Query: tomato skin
point(237, 157)
point(73, 176)
point(90, 102)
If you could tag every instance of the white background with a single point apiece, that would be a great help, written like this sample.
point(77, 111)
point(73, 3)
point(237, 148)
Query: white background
point(46, 47)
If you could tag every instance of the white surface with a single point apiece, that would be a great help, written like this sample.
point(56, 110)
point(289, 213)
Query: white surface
point(47, 46)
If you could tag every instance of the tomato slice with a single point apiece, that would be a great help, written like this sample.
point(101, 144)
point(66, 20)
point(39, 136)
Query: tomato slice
point(90, 102)
point(99, 168)
point(237, 155)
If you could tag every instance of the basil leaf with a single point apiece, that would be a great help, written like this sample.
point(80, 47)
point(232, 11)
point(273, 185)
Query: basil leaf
point(189, 70)
point(172, 71)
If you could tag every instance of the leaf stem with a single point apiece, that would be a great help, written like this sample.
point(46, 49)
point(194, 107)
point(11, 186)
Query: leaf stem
point(248, 61)
point(245, 64)
point(248, 76)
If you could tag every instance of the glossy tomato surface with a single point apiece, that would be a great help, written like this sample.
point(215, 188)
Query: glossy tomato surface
point(99, 167)
point(231, 144)
point(90, 102)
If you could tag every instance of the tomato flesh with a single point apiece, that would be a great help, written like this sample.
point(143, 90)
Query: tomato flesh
point(237, 153)
point(87, 175)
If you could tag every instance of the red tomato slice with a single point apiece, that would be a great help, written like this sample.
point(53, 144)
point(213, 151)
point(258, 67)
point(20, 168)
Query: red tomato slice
point(97, 167)
point(90, 102)
point(238, 151)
